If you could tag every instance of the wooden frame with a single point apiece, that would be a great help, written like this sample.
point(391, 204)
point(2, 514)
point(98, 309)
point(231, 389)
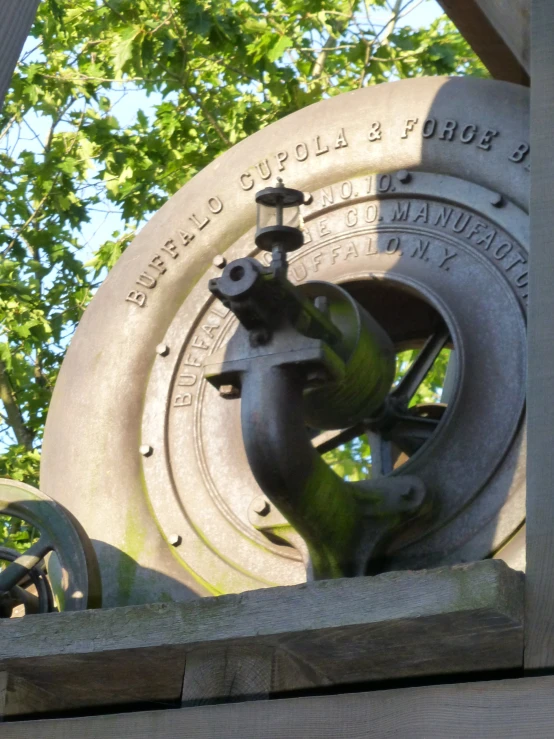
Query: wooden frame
point(505, 709)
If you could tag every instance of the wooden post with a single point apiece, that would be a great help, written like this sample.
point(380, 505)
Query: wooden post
point(498, 32)
point(16, 19)
point(539, 621)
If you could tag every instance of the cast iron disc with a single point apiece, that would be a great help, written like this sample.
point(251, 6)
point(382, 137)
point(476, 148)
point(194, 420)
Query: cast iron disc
point(419, 198)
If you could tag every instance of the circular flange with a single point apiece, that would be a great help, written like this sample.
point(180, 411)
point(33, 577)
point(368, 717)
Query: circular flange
point(460, 143)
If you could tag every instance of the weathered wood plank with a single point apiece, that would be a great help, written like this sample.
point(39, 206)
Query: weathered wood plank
point(506, 709)
point(334, 632)
point(499, 33)
point(3, 688)
point(16, 19)
point(539, 651)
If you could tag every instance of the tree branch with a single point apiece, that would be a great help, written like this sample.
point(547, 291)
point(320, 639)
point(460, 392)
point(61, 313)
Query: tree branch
point(13, 412)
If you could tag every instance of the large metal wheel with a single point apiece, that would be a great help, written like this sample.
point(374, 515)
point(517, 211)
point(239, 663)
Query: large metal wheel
point(419, 199)
point(71, 579)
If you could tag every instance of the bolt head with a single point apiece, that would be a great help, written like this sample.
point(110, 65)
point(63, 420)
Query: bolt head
point(229, 391)
point(308, 198)
point(403, 176)
point(261, 506)
point(162, 350)
point(146, 450)
point(175, 540)
point(219, 261)
point(497, 200)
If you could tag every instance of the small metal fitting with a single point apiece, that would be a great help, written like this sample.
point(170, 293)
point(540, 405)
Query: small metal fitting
point(403, 176)
point(497, 200)
point(229, 391)
point(162, 350)
point(219, 261)
point(146, 450)
point(308, 198)
point(175, 540)
point(261, 506)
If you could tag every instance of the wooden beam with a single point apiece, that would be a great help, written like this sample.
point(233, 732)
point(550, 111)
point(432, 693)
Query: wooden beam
point(503, 709)
point(539, 650)
point(450, 620)
point(16, 19)
point(498, 32)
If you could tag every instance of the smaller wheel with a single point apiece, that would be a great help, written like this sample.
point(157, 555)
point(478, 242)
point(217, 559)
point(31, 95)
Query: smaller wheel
point(61, 564)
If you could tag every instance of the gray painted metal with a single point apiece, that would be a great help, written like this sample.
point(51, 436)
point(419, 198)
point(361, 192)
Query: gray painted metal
point(16, 19)
point(445, 237)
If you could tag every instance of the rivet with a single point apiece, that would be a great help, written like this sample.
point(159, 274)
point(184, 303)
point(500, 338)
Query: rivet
point(308, 198)
point(175, 540)
point(162, 350)
point(229, 391)
point(146, 450)
point(403, 176)
point(497, 201)
point(261, 506)
point(219, 261)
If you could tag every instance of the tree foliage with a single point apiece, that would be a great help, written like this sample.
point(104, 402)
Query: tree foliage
point(214, 72)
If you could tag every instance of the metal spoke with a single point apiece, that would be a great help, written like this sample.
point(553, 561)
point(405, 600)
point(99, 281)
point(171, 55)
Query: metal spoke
point(329, 440)
point(411, 433)
point(19, 568)
point(381, 455)
point(24, 598)
point(408, 385)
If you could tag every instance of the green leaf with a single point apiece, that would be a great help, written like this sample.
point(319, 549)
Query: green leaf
point(278, 49)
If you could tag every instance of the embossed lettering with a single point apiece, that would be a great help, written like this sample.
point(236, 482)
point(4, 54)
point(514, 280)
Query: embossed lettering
point(146, 280)
point(503, 249)
point(468, 134)
point(303, 274)
point(170, 248)
point(392, 245)
point(448, 129)
point(264, 169)
point(323, 227)
point(384, 182)
point(374, 133)
point(461, 222)
point(370, 248)
point(423, 214)
point(186, 380)
point(408, 127)
point(429, 128)
point(192, 361)
point(401, 211)
point(246, 181)
point(346, 190)
point(135, 296)
point(351, 250)
point(449, 254)
point(520, 153)
point(199, 224)
point(198, 342)
point(523, 280)
point(520, 259)
point(476, 228)
point(443, 217)
point(421, 250)
point(281, 157)
point(301, 151)
point(341, 141)
point(335, 251)
point(186, 237)
point(486, 139)
point(351, 217)
point(182, 400)
point(215, 205)
point(158, 264)
point(320, 149)
point(316, 260)
point(486, 239)
point(371, 213)
point(327, 197)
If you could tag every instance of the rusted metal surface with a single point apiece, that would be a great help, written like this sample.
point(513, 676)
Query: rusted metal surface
point(447, 236)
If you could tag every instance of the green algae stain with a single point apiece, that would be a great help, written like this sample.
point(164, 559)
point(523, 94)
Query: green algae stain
point(133, 545)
